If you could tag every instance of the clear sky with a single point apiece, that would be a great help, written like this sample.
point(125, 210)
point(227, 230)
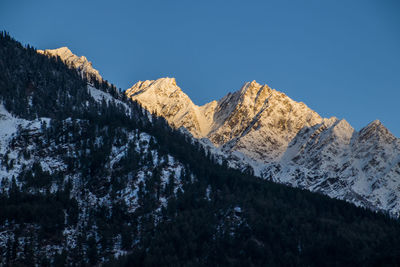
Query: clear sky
point(342, 58)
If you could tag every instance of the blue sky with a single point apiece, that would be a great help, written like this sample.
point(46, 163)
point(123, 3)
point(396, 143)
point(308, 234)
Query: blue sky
point(342, 58)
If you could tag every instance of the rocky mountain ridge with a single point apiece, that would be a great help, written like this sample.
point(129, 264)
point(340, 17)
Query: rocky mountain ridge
point(287, 142)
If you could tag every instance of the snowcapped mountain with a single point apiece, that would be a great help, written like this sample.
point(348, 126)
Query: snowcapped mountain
point(253, 120)
point(282, 140)
point(285, 141)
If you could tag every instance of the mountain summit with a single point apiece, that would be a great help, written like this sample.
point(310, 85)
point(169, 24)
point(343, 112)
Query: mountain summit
point(164, 97)
point(80, 63)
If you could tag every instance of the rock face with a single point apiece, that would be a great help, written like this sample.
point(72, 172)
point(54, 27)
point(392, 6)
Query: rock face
point(285, 141)
point(259, 122)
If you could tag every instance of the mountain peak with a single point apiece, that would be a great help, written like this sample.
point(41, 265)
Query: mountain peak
point(252, 94)
point(164, 97)
point(61, 49)
point(63, 52)
point(160, 86)
point(166, 83)
point(377, 123)
point(376, 129)
point(252, 86)
point(80, 63)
